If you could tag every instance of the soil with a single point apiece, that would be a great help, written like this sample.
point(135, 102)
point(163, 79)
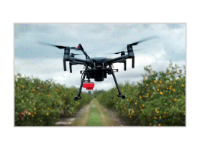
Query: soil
point(108, 117)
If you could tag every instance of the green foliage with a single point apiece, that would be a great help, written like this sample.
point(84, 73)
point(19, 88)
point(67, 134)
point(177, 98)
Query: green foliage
point(158, 97)
point(89, 93)
point(97, 92)
point(41, 103)
point(94, 116)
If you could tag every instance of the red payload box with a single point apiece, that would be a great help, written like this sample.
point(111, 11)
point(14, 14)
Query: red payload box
point(88, 86)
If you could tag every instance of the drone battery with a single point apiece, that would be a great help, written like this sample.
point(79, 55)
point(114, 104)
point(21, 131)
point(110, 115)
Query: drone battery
point(88, 86)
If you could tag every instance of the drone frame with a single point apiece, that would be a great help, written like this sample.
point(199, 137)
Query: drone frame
point(88, 62)
point(100, 69)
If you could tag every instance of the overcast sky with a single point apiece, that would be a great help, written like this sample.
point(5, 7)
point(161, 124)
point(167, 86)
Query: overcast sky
point(45, 62)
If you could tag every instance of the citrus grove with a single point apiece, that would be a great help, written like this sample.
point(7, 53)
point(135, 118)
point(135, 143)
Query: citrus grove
point(42, 103)
point(158, 100)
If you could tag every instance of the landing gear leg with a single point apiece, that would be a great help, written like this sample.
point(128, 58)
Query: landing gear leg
point(120, 94)
point(79, 93)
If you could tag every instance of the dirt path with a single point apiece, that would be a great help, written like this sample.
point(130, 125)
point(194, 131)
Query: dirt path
point(93, 114)
point(80, 119)
point(108, 117)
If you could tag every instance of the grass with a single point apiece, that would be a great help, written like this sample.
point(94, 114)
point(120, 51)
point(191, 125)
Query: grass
point(82, 121)
point(94, 115)
point(107, 119)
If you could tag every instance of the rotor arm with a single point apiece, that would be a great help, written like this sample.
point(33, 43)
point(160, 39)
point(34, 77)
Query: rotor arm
point(118, 59)
point(84, 52)
point(78, 60)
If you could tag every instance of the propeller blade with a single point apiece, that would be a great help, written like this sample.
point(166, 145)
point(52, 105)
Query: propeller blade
point(75, 54)
point(43, 53)
point(138, 49)
point(123, 51)
point(58, 46)
point(135, 43)
point(120, 52)
point(24, 53)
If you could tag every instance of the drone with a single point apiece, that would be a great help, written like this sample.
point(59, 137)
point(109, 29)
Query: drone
point(96, 68)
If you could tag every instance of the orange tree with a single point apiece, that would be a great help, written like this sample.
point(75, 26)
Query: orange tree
point(159, 99)
point(41, 103)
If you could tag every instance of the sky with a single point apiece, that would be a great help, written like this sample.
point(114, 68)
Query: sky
point(45, 62)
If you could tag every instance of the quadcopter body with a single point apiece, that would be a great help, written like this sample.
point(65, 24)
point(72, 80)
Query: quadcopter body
point(96, 68)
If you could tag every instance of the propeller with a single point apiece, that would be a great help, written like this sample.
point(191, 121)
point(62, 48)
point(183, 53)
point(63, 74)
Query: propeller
point(135, 43)
point(75, 54)
point(59, 46)
point(72, 54)
point(123, 52)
